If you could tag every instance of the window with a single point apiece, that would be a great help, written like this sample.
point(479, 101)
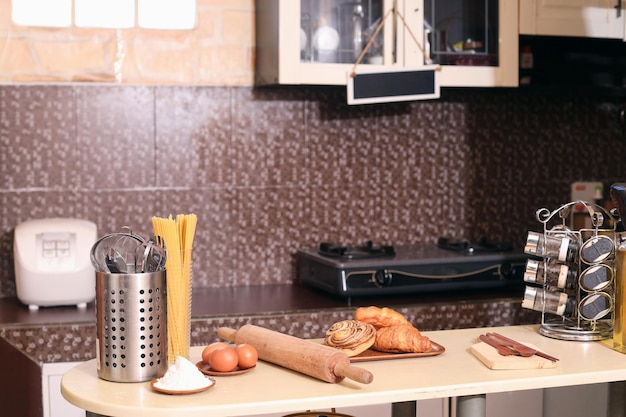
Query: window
point(149, 14)
point(104, 13)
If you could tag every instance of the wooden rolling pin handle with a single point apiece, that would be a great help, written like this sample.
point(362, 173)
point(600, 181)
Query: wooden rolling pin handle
point(357, 374)
point(227, 333)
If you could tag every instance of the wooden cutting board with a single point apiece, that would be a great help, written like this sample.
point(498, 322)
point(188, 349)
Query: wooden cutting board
point(493, 360)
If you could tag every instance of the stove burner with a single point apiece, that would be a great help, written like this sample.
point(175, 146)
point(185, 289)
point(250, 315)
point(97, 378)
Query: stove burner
point(366, 251)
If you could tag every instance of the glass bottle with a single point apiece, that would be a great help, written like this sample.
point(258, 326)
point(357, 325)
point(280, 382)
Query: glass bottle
point(618, 196)
point(619, 317)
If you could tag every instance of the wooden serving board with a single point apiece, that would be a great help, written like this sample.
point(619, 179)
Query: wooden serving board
point(374, 355)
point(493, 360)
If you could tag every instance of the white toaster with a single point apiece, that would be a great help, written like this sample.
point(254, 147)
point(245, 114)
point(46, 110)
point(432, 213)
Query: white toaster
point(52, 262)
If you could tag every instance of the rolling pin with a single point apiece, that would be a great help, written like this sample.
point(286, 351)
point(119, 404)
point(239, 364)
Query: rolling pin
point(310, 358)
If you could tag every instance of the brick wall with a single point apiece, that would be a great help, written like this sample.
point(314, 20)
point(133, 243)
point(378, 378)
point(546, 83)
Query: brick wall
point(218, 52)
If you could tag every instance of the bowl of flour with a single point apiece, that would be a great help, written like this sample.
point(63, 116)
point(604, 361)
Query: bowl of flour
point(183, 377)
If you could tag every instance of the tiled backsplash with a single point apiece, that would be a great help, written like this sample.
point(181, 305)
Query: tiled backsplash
point(268, 171)
point(76, 342)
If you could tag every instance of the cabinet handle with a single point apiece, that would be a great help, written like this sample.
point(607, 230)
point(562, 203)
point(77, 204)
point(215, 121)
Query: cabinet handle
point(618, 8)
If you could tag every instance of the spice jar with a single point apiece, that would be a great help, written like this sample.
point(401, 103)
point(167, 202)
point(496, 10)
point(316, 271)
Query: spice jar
point(550, 273)
point(559, 247)
point(552, 302)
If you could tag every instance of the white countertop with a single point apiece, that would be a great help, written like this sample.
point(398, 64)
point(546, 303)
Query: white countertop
point(269, 388)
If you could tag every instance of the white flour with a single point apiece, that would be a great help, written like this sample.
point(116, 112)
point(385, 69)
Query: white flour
point(181, 376)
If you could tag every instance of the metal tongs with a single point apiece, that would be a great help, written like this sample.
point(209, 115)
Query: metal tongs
point(128, 253)
point(508, 347)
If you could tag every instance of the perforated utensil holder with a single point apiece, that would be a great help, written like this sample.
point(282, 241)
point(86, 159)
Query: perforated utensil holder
point(131, 326)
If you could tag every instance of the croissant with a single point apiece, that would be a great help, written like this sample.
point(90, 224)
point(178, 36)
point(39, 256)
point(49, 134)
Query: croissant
point(380, 317)
point(401, 338)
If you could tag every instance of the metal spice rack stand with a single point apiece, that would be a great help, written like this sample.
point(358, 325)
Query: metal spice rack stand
point(582, 310)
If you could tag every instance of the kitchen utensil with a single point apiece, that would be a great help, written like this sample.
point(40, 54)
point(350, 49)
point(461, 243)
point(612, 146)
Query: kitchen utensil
point(520, 347)
point(517, 349)
point(116, 252)
point(128, 253)
point(493, 360)
point(110, 262)
point(131, 326)
point(150, 257)
point(502, 350)
point(310, 358)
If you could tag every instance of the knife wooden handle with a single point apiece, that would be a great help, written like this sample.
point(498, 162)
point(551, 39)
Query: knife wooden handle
point(310, 358)
point(502, 350)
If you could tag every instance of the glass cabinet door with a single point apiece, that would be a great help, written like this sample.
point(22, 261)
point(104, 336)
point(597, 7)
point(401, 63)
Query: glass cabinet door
point(319, 41)
point(336, 31)
point(462, 32)
point(475, 41)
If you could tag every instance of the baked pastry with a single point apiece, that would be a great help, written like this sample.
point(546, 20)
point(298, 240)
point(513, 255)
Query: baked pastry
point(402, 338)
point(380, 317)
point(351, 336)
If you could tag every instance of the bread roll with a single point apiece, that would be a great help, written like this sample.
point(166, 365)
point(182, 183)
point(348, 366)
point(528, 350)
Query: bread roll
point(402, 338)
point(351, 336)
point(380, 317)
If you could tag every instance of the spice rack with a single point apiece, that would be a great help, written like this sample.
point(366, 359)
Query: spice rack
point(570, 277)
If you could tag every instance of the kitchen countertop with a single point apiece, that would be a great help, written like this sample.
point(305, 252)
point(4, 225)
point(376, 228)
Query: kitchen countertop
point(29, 339)
point(395, 381)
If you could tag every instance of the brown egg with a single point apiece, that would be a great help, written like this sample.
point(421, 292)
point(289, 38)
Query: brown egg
point(223, 359)
point(247, 355)
point(212, 347)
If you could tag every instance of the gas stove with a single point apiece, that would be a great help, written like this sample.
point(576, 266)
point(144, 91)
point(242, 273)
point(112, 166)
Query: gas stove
point(385, 270)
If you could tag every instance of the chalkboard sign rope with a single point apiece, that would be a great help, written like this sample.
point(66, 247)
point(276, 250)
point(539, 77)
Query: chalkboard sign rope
point(378, 29)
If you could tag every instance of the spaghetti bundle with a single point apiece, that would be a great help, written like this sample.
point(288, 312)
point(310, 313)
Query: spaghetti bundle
point(177, 235)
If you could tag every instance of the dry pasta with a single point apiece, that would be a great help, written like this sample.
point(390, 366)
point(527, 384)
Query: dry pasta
point(177, 235)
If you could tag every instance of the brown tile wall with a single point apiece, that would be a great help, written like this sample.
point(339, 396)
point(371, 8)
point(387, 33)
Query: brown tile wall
point(271, 170)
point(76, 342)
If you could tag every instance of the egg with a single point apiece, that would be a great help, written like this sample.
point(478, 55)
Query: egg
point(247, 355)
point(206, 352)
point(223, 359)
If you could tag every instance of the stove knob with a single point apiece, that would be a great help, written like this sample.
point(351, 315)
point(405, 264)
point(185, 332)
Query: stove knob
point(382, 277)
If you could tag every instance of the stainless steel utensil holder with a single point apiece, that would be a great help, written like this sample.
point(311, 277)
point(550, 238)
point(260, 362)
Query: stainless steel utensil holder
point(578, 325)
point(131, 326)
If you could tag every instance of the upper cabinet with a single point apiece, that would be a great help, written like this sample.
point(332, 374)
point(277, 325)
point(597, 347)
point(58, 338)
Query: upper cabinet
point(322, 41)
point(583, 18)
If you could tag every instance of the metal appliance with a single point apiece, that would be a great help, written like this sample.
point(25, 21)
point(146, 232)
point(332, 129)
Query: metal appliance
point(385, 270)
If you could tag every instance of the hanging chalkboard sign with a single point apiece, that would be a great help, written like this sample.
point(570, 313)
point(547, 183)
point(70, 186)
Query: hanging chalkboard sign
point(390, 85)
